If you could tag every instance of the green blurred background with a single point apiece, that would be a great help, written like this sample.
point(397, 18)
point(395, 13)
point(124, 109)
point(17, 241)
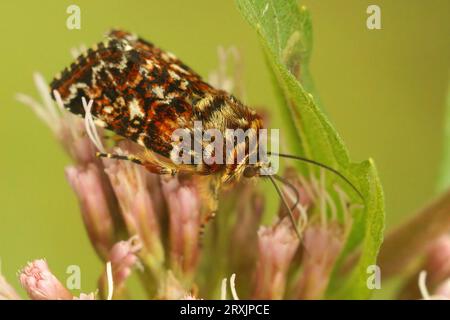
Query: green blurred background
point(384, 90)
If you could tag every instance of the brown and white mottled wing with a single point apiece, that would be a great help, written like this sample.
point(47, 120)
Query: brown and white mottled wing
point(138, 90)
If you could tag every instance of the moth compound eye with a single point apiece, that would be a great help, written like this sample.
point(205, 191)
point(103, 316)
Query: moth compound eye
point(250, 172)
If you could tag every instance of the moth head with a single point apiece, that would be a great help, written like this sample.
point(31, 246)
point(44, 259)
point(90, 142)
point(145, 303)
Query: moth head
point(251, 171)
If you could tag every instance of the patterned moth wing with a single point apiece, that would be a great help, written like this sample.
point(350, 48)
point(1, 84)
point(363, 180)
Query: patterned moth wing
point(144, 94)
point(139, 91)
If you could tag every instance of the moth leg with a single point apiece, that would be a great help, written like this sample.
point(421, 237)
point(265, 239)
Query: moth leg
point(209, 191)
point(129, 157)
point(153, 167)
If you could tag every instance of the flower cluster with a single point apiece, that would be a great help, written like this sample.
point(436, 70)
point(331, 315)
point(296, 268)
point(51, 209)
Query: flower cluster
point(148, 224)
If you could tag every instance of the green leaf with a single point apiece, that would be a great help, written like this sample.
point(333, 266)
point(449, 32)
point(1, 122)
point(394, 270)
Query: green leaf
point(286, 36)
point(444, 180)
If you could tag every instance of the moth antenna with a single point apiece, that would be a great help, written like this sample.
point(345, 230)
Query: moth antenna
point(290, 186)
point(319, 164)
point(291, 214)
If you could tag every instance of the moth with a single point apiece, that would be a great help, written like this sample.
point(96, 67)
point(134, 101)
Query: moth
point(144, 94)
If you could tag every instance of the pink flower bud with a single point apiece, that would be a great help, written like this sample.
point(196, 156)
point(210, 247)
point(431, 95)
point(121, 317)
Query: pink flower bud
point(93, 197)
point(277, 245)
point(72, 136)
point(123, 258)
point(247, 216)
point(41, 284)
point(184, 214)
point(323, 244)
point(129, 182)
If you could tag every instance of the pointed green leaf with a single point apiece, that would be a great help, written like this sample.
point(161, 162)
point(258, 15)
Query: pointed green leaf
point(286, 36)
